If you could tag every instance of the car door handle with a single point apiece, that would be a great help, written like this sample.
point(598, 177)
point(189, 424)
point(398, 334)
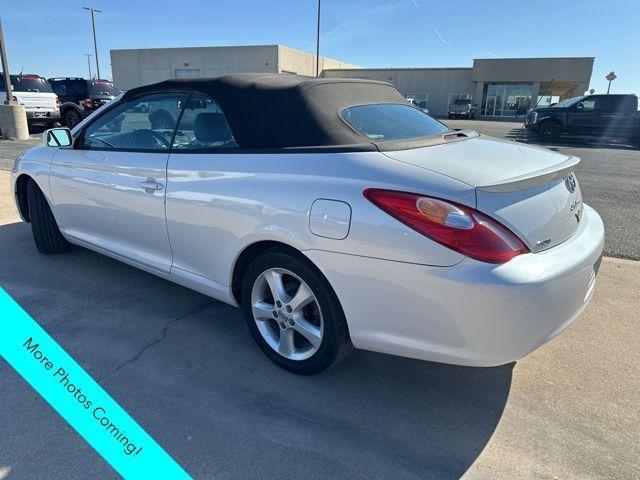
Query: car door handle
point(151, 186)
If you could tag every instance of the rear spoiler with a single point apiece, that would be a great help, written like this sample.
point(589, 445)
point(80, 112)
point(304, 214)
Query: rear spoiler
point(532, 179)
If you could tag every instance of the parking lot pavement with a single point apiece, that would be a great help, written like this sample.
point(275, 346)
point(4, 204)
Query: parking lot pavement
point(609, 176)
point(185, 367)
point(10, 149)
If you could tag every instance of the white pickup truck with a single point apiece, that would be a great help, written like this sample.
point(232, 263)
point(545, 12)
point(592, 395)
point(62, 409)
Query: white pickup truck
point(35, 93)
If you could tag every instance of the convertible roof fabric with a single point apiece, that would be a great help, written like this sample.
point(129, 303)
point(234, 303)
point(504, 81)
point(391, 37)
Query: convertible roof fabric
point(268, 111)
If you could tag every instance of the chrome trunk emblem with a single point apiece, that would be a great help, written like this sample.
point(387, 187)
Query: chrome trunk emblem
point(570, 182)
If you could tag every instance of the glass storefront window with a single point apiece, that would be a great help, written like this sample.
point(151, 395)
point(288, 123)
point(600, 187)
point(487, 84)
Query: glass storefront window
point(506, 99)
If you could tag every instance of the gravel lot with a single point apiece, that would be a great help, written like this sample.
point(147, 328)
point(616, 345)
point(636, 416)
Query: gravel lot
point(609, 176)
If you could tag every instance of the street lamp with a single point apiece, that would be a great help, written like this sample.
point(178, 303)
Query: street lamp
point(88, 55)
point(318, 43)
point(95, 43)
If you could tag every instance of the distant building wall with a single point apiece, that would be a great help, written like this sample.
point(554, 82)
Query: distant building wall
point(291, 60)
point(132, 68)
point(437, 84)
point(503, 87)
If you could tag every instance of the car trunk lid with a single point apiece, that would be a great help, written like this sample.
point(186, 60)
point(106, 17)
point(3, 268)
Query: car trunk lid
point(531, 191)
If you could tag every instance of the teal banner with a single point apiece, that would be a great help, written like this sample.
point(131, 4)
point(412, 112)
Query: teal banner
point(79, 399)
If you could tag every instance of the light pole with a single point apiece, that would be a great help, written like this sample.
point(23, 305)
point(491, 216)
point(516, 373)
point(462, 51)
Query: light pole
point(318, 43)
point(5, 70)
point(88, 55)
point(95, 43)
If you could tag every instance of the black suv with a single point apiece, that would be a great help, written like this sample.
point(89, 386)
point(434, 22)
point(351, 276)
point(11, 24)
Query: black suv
point(81, 97)
point(595, 115)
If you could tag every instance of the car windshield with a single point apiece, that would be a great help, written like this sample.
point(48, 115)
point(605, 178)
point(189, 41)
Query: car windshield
point(462, 102)
point(102, 88)
point(27, 83)
point(382, 122)
point(568, 102)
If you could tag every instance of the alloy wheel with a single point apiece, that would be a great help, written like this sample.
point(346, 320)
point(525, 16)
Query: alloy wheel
point(287, 314)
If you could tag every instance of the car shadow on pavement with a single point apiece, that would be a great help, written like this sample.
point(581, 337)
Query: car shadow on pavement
point(520, 135)
point(185, 367)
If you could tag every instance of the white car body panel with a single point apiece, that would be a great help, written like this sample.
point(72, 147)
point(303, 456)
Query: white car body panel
point(402, 293)
point(100, 200)
point(474, 313)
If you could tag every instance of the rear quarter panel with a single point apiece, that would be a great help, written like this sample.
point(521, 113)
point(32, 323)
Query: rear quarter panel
point(217, 204)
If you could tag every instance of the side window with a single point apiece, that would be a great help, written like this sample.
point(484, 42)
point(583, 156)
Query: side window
point(203, 125)
point(78, 87)
point(144, 123)
point(588, 104)
point(59, 88)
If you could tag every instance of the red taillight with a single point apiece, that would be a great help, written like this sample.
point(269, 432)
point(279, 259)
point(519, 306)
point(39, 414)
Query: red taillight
point(456, 226)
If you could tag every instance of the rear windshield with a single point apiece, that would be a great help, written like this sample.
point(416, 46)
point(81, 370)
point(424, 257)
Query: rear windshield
point(389, 121)
point(27, 83)
point(102, 88)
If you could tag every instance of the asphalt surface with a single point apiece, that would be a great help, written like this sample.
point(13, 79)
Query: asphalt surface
point(185, 367)
point(609, 177)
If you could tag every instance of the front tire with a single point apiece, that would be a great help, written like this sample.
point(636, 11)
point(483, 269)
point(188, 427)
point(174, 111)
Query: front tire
point(293, 313)
point(46, 233)
point(549, 132)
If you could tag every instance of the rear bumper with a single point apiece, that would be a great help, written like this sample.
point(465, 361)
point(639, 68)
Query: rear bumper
point(36, 116)
point(473, 313)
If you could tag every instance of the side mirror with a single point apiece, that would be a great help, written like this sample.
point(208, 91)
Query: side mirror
point(58, 137)
point(580, 106)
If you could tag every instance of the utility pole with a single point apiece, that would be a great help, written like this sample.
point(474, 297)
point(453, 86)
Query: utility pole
point(318, 43)
point(95, 43)
point(88, 55)
point(5, 70)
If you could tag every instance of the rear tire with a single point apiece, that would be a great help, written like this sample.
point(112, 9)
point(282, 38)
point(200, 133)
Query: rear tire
point(322, 314)
point(72, 118)
point(46, 233)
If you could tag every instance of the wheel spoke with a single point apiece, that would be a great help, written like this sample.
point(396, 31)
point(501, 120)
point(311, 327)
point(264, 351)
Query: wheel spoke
point(262, 310)
point(301, 299)
point(308, 331)
point(274, 280)
point(285, 344)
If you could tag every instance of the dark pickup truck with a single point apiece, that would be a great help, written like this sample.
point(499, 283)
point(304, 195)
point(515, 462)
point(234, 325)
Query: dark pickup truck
point(595, 115)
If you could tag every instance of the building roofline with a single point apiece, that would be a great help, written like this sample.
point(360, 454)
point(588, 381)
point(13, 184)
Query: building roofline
point(534, 58)
point(384, 69)
point(194, 47)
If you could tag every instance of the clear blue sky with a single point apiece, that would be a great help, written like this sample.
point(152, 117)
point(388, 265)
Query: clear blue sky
point(49, 38)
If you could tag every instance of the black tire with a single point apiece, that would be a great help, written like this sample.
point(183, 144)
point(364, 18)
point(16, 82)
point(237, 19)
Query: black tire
point(335, 344)
point(72, 118)
point(46, 233)
point(549, 131)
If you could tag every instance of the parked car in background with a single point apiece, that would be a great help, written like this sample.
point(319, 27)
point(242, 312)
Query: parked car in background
point(462, 108)
point(610, 115)
point(81, 97)
point(334, 212)
point(35, 93)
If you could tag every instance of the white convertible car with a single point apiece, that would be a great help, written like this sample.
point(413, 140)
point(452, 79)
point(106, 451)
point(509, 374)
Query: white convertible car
point(332, 211)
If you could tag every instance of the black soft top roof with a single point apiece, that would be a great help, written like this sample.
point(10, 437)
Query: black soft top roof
point(283, 110)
